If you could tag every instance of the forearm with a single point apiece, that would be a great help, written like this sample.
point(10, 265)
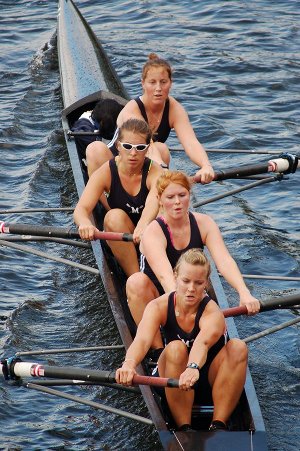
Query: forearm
point(198, 354)
point(136, 353)
point(230, 271)
point(81, 215)
point(198, 155)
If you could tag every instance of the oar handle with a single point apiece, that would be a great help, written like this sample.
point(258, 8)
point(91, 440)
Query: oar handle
point(271, 304)
point(155, 381)
point(235, 311)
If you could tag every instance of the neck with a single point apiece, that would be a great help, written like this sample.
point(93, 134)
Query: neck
point(182, 310)
point(124, 169)
point(177, 223)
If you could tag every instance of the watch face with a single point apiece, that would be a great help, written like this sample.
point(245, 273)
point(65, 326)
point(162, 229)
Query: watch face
point(193, 365)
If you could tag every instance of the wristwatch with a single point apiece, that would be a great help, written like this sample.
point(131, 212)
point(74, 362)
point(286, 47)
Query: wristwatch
point(193, 365)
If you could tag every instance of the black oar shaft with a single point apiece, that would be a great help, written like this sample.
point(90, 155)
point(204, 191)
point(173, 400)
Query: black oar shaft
point(59, 232)
point(242, 171)
point(282, 302)
point(30, 229)
point(73, 373)
point(17, 368)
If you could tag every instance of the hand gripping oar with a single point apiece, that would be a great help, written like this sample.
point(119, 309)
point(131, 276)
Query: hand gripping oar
point(14, 368)
point(286, 164)
point(271, 304)
point(58, 232)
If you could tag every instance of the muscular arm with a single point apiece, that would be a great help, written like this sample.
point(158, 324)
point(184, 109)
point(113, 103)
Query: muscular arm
point(186, 135)
point(153, 316)
point(153, 246)
point(151, 206)
point(97, 184)
point(226, 265)
point(130, 110)
point(212, 326)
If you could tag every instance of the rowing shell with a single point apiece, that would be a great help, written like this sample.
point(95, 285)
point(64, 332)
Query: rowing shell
point(86, 76)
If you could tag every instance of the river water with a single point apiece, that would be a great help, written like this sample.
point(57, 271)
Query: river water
point(236, 70)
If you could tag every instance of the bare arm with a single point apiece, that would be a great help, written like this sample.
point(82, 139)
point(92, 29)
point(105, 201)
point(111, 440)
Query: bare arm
point(130, 110)
point(226, 265)
point(186, 135)
point(151, 206)
point(97, 184)
point(153, 246)
point(152, 318)
point(212, 326)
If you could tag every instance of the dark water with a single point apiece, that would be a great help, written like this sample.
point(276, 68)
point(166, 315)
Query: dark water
point(236, 70)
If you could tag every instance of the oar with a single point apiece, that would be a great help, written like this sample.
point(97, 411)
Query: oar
point(287, 164)
point(13, 368)
point(271, 304)
point(58, 232)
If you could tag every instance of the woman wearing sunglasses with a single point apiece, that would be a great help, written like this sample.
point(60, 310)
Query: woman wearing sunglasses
point(129, 184)
point(163, 113)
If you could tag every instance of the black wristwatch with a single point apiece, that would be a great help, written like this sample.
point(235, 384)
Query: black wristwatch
point(193, 365)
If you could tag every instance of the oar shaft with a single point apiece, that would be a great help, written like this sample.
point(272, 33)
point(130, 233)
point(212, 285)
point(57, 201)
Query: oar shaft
point(282, 302)
point(38, 230)
point(59, 232)
point(288, 163)
point(16, 368)
point(30, 369)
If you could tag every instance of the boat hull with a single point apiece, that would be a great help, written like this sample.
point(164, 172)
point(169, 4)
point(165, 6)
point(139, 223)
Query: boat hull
point(83, 82)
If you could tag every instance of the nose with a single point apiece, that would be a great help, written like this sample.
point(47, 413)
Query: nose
point(191, 287)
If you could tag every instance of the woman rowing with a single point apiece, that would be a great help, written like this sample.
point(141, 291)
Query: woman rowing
point(162, 112)
point(167, 237)
point(130, 183)
point(196, 351)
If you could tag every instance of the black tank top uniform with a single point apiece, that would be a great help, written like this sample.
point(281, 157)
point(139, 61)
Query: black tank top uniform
point(118, 196)
point(172, 331)
point(163, 131)
point(173, 254)
point(161, 134)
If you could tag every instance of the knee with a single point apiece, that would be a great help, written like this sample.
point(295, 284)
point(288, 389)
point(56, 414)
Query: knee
point(114, 220)
point(97, 152)
point(136, 283)
point(91, 149)
point(238, 351)
point(176, 352)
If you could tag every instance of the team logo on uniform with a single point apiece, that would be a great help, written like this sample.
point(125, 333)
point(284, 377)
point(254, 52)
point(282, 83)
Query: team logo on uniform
point(135, 210)
point(188, 343)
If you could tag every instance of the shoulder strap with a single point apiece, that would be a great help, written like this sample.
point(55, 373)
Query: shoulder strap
point(142, 108)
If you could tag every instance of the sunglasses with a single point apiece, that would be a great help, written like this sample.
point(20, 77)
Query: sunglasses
point(137, 147)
